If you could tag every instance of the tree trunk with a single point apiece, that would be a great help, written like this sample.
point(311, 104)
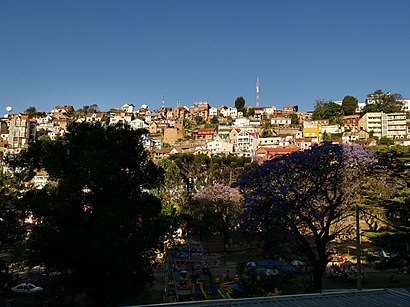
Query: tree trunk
point(319, 270)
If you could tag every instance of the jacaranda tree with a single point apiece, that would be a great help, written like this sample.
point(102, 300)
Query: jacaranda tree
point(217, 208)
point(306, 197)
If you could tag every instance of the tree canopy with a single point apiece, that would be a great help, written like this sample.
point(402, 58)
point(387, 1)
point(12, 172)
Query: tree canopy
point(31, 112)
point(216, 208)
point(390, 208)
point(349, 105)
point(327, 110)
point(240, 102)
point(11, 216)
point(382, 102)
point(95, 217)
point(306, 197)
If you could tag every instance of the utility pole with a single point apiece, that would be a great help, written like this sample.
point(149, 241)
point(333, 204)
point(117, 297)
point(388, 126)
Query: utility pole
point(358, 251)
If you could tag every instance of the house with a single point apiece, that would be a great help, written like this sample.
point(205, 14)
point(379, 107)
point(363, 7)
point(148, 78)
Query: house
point(288, 109)
point(205, 134)
point(22, 131)
point(218, 147)
point(138, 124)
point(200, 108)
point(246, 142)
point(304, 143)
point(281, 121)
point(350, 137)
point(94, 117)
point(312, 129)
point(242, 122)
point(270, 153)
point(213, 112)
point(165, 152)
point(151, 116)
point(128, 108)
point(233, 135)
point(66, 110)
point(276, 141)
point(120, 117)
point(225, 112)
point(331, 129)
point(351, 120)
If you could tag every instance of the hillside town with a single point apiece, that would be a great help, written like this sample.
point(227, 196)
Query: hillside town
point(256, 132)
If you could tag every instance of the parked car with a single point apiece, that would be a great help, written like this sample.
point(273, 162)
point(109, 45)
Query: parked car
point(26, 288)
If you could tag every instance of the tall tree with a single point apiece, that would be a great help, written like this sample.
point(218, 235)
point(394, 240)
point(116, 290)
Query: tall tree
point(11, 215)
point(95, 218)
point(308, 196)
point(327, 110)
point(392, 203)
point(216, 208)
point(31, 112)
point(349, 105)
point(382, 102)
point(240, 102)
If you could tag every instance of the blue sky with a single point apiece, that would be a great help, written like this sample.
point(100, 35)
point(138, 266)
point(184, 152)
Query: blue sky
point(83, 52)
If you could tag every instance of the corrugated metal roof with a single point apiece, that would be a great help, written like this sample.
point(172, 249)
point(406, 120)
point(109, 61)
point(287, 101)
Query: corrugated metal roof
point(365, 298)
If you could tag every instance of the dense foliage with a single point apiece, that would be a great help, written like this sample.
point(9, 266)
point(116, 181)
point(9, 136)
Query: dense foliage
point(96, 222)
point(382, 102)
point(216, 209)
point(307, 197)
point(389, 210)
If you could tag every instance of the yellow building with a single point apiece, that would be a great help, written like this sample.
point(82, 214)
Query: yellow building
point(312, 129)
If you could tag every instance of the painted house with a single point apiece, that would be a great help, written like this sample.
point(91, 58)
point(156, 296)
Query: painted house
point(270, 153)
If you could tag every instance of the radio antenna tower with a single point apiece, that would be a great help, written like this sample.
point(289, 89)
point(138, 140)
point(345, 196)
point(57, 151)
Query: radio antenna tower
point(163, 101)
point(257, 92)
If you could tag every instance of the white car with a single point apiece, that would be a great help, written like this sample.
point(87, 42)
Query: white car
point(26, 288)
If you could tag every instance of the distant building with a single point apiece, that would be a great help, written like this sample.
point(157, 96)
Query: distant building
point(22, 131)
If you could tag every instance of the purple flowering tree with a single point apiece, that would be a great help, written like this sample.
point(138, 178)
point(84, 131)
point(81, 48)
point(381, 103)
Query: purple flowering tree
point(306, 197)
point(216, 208)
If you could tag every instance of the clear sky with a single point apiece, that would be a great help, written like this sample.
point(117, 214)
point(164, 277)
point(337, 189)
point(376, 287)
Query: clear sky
point(83, 52)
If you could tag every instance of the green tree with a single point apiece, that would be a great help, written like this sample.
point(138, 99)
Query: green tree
point(294, 119)
point(97, 224)
point(390, 207)
point(349, 105)
point(326, 110)
point(11, 215)
point(240, 103)
point(382, 102)
point(199, 120)
point(250, 112)
point(31, 112)
point(214, 120)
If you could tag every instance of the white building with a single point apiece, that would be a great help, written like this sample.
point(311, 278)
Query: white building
point(138, 124)
point(281, 121)
point(213, 112)
point(396, 125)
point(406, 105)
point(376, 122)
point(242, 122)
point(217, 147)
